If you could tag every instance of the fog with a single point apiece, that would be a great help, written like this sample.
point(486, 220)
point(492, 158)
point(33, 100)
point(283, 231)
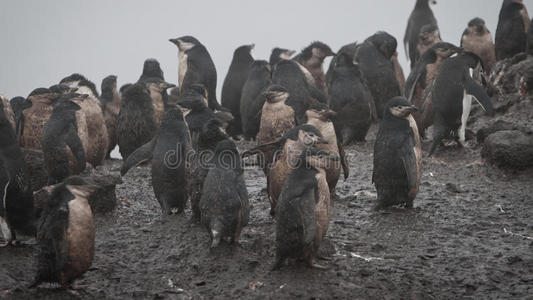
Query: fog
point(44, 41)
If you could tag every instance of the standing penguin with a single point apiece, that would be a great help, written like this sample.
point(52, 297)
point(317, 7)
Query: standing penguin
point(287, 152)
point(195, 100)
point(66, 234)
point(212, 133)
point(136, 124)
point(420, 16)
point(478, 40)
point(397, 156)
point(419, 82)
point(319, 116)
point(110, 99)
point(312, 57)
point(170, 152)
point(224, 204)
point(374, 59)
point(196, 66)
point(34, 117)
point(16, 208)
point(452, 98)
point(429, 36)
point(252, 100)
point(350, 98)
point(63, 147)
point(511, 31)
point(290, 74)
point(279, 54)
point(94, 115)
point(276, 119)
point(233, 84)
point(303, 209)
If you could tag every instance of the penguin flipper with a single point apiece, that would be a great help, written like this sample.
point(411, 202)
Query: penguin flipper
point(409, 161)
point(138, 156)
point(307, 217)
point(475, 90)
point(53, 247)
point(261, 149)
point(73, 141)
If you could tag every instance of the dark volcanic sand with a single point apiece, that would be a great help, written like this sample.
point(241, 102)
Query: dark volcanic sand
point(470, 235)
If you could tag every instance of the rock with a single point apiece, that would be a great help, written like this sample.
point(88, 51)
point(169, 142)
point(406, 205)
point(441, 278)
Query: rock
point(498, 125)
point(35, 162)
point(102, 200)
point(509, 149)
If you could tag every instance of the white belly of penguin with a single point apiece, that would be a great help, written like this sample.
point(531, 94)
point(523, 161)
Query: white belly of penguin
point(4, 227)
point(80, 235)
point(182, 68)
point(467, 105)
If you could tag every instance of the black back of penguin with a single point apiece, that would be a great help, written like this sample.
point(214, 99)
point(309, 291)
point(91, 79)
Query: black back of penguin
point(510, 36)
point(233, 85)
point(420, 16)
point(16, 209)
point(224, 203)
point(350, 98)
point(373, 57)
point(251, 102)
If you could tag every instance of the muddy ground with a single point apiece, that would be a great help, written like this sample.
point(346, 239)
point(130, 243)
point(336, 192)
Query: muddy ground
point(470, 236)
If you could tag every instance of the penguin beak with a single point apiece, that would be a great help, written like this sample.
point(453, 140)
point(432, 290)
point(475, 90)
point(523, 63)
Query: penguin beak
point(322, 141)
point(175, 42)
point(412, 109)
point(167, 85)
point(290, 53)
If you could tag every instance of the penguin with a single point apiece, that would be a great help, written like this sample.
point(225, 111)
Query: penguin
point(16, 207)
point(347, 50)
point(319, 115)
point(196, 66)
point(94, 115)
point(289, 74)
point(195, 100)
point(170, 152)
point(397, 156)
point(212, 133)
point(65, 139)
point(429, 36)
point(33, 118)
point(252, 101)
point(135, 125)
point(302, 213)
point(66, 234)
point(477, 39)
point(420, 16)
point(277, 117)
point(279, 54)
point(511, 31)
point(233, 84)
point(312, 58)
point(224, 205)
point(158, 93)
point(111, 100)
point(453, 92)
point(8, 111)
point(151, 69)
point(374, 59)
point(419, 82)
point(351, 99)
point(287, 151)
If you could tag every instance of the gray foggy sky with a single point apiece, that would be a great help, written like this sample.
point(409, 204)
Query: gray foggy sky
point(44, 41)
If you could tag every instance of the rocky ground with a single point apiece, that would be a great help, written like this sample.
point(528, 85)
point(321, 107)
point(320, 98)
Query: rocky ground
point(470, 235)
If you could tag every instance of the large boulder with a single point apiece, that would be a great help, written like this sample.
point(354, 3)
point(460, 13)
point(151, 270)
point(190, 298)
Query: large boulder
point(509, 149)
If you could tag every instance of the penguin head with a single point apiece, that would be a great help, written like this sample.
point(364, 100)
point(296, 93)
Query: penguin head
point(81, 83)
point(279, 54)
point(160, 85)
point(124, 88)
point(429, 34)
point(109, 84)
point(44, 94)
point(185, 43)
point(317, 158)
point(384, 42)
point(275, 93)
point(258, 65)
point(244, 51)
point(227, 154)
point(172, 116)
point(477, 25)
point(317, 50)
point(445, 50)
point(214, 130)
point(320, 111)
point(151, 69)
point(194, 97)
point(399, 107)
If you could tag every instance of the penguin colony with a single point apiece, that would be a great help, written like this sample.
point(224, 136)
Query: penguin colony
point(300, 117)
